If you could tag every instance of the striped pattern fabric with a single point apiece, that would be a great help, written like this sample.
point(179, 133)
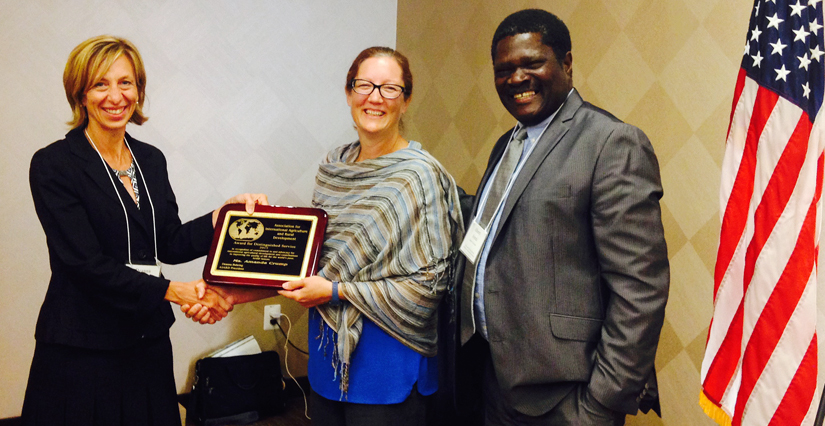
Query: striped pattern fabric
point(394, 228)
point(760, 364)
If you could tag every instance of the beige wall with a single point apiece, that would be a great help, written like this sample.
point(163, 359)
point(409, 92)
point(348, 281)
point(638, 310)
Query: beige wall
point(668, 67)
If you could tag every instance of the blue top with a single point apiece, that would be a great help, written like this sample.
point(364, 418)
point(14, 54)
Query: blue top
point(382, 370)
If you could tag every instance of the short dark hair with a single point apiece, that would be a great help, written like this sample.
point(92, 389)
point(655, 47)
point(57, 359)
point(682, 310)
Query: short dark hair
point(553, 31)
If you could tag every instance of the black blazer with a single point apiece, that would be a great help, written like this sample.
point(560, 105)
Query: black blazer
point(94, 300)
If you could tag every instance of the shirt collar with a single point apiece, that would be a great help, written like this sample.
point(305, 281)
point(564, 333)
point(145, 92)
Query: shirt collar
point(536, 130)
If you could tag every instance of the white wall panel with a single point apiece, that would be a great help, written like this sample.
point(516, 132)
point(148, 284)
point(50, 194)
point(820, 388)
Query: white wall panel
point(242, 96)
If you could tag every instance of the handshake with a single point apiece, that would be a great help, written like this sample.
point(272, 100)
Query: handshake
point(200, 301)
point(208, 304)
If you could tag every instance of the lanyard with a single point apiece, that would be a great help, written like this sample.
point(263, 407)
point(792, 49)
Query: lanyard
point(125, 215)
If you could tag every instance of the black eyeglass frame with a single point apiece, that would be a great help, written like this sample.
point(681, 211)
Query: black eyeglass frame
point(377, 86)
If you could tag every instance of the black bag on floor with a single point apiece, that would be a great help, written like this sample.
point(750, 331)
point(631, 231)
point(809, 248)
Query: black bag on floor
point(236, 390)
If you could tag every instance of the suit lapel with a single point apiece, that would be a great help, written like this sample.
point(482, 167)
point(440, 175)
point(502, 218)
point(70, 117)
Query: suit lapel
point(495, 157)
point(554, 134)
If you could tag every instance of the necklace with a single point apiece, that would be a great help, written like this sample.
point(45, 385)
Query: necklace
point(129, 173)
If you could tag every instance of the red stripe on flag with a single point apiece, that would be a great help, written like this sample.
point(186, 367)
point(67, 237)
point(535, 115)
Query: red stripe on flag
point(737, 93)
point(736, 212)
point(797, 399)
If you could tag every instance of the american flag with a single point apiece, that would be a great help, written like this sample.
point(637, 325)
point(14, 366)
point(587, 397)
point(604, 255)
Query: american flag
point(760, 364)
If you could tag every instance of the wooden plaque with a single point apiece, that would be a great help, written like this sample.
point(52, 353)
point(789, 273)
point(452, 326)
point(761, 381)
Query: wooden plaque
point(267, 248)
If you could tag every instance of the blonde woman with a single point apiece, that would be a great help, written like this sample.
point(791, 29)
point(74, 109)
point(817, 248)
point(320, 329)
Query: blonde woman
point(103, 354)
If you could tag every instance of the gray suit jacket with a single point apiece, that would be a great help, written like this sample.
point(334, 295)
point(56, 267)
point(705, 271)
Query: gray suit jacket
point(577, 277)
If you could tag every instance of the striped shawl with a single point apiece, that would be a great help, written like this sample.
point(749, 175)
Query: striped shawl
point(394, 228)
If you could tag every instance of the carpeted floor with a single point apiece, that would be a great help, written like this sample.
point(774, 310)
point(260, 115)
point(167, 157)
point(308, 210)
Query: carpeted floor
point(293, 416)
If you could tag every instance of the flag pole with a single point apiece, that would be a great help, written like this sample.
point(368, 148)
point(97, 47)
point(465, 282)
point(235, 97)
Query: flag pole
point(820, 412)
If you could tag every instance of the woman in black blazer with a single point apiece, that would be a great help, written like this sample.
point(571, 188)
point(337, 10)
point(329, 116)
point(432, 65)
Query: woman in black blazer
point(103, 354)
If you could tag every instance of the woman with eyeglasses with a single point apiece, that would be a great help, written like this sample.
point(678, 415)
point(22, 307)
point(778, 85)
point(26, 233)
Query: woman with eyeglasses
point(394, 227)
point(103, 355)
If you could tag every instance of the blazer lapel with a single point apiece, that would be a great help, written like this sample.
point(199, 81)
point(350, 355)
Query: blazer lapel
point(91, 162)
point(555, 132)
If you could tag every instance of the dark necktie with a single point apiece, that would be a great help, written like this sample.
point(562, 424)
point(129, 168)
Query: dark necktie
point(506, 167)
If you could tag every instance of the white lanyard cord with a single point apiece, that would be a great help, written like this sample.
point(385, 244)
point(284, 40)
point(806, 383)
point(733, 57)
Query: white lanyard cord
point(149, 196)
point(125, 215)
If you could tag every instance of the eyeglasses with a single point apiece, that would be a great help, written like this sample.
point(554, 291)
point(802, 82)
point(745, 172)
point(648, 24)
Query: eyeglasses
point(366, 87)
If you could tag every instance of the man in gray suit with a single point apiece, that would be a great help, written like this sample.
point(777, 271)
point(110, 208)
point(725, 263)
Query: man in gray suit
point(566, 272)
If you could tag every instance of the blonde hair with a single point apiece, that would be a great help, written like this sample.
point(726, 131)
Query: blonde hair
point(93, 58)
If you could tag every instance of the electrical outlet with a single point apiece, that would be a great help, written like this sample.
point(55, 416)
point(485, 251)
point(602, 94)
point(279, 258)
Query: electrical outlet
point(271, 312)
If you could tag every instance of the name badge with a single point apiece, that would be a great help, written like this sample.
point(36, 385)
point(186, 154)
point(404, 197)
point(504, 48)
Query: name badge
point(473, 242)
point(153, 270)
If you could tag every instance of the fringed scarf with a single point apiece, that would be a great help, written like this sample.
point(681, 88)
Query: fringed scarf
point(394, 227)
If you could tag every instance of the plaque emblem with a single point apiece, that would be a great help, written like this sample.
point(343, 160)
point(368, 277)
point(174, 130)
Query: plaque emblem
point(246, 229)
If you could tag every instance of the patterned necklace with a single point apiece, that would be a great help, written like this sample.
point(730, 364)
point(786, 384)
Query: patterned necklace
point(130, 173)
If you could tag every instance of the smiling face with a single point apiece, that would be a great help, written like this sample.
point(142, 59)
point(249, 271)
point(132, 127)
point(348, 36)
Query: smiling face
point(530, 81)
point(112, 98)
point(373, 114)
